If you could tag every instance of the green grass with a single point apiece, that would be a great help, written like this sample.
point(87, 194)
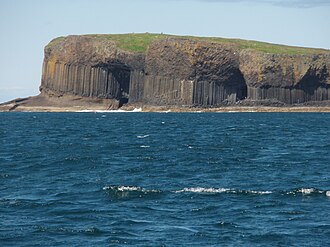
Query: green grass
point(131, 42)
point(55, 41)
point(271, 48)
point(135, 42)
point(139, 43)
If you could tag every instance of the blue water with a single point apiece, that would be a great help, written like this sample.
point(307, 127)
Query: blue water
point(164, 179)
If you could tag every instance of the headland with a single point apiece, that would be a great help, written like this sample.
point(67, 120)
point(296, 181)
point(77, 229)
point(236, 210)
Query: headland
point(158, 72)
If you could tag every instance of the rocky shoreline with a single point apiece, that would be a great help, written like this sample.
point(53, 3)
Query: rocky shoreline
point(46, 103)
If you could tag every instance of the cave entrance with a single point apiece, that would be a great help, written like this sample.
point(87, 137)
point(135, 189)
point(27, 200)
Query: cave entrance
point(226, 87)
point(312, 87)
point(241, 90)
point(235, 88)
point(118, 81)
point(122, 76)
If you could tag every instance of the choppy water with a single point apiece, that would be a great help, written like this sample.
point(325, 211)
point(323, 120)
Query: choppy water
point(164, 179)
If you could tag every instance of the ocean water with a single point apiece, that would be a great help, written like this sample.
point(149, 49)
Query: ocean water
point(164, 179)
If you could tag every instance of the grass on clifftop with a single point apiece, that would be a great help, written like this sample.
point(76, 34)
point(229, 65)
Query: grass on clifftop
point(269, 47)
point(139, 43)
point(135, 42)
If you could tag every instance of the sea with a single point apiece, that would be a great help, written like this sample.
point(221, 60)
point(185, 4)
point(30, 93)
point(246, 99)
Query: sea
point(164, 179)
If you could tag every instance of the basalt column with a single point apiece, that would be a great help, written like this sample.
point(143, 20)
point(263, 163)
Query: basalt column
point(286, 78)
point(190, 72)
point(212, 93)
point(136, 87)
point(169, 70)
point(118, 82)
point(102, 81)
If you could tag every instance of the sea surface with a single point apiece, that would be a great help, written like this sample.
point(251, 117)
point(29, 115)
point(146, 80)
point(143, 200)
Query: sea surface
point(164, 179)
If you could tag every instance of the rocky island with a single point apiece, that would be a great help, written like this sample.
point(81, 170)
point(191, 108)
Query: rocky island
point(162, 72)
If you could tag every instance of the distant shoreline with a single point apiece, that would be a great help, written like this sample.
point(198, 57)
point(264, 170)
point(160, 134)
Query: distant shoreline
point(44, 103)
point(228, 109)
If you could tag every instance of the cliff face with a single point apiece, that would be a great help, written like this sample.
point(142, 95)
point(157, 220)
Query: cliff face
point(199, 73)
point(84, 66)
point(181, 71)
point(289, 79)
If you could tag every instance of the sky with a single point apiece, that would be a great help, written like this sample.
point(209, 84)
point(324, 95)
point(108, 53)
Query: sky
point(28, 25)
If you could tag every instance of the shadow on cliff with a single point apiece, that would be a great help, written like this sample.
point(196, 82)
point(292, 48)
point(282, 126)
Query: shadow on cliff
point(118, 80)
point(313, 85)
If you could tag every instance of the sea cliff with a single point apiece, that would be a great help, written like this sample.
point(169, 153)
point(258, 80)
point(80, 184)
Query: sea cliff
point(179, 71)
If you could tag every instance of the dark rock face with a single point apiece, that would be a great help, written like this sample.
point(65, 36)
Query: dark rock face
point(198, 73)
point(289, 79)
point(91, 68)
point(177, 71)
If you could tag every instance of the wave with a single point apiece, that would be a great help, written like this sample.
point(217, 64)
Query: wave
point(122, 188)
point(21, 202)
point(295, 192)
point(221, 190)
point(307, 191)
point(126, 191)
point(142, 136)
point(299, 191)
point(130, 222)
point(87, 231)
point(202, 190)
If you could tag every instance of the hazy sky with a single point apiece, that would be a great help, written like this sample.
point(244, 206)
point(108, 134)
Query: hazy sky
point(28, 25)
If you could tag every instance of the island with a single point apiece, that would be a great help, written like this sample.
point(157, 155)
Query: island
point(159, 72)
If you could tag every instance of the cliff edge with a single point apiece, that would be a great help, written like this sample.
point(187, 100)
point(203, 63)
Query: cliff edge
point(165, 70)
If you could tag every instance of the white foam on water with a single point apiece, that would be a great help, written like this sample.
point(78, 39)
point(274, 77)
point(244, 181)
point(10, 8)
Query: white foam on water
point(306, 191)
point(129, 188)
point(327, 193)
point(260, 192)
point(124, 188)
point(221, 190)
point(142, 136)
point(202, 190)
point(144, 146)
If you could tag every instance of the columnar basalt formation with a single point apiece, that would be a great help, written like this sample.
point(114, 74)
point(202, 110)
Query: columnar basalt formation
point(88, 67)
point(286, 78)
point(181, 71)
point(193, 73)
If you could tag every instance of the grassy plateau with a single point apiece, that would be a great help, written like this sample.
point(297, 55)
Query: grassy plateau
point(139, 42)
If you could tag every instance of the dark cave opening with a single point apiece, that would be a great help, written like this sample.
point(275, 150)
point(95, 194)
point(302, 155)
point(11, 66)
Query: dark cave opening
point(314, 86)
point(241, 91)
point(118, 81)
point(221, 89)
point(309, 84)
point(123, 101)
point(240, 84)
point(122, 76)
point(236, 84)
